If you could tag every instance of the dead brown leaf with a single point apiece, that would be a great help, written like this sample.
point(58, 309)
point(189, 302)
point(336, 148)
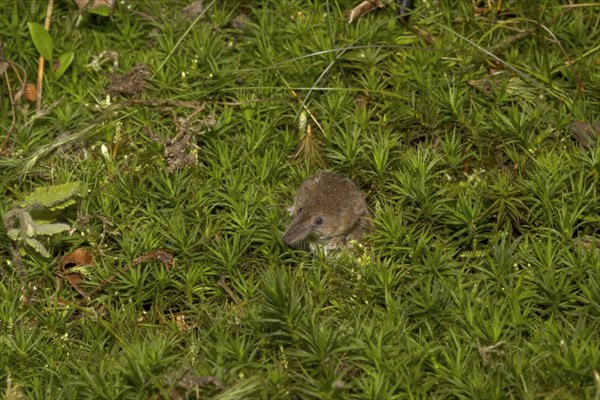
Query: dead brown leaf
point(364, 8)
point(70, 266)
point(423, 34)
point(133, 83)
point(183, 387)
point(193, 9)
point(584, 133)
point(156, 255)
point(179, 150)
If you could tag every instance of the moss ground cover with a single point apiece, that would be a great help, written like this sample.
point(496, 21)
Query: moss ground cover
point(472, 129)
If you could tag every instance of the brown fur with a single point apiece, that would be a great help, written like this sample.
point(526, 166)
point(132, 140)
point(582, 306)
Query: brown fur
point(328, 210)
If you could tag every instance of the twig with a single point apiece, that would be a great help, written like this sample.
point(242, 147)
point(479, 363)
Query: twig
point(303, 105)
point(364, 8)
point(4, 65)
point(40, 74)
point(228, 290)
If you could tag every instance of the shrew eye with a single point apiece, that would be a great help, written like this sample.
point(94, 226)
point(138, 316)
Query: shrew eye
point(318, 221)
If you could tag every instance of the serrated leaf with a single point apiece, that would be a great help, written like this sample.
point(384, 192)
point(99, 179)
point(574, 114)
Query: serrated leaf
point(63, 63)
point(41, 39)
point(30, 229)
point(62, 206)
point(37, 246)
point(52, 196)
point(14, 233)
point(51, 229)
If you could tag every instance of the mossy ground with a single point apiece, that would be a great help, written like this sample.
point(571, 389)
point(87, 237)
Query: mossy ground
point(480, 281)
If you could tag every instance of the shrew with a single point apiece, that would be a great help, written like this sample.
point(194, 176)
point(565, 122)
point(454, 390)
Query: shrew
point(329, 211)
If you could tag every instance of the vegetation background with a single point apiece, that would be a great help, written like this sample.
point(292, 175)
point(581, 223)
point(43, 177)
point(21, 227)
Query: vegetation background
point(472, 128)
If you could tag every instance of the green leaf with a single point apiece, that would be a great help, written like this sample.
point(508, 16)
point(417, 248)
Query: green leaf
point(14, 233)
point(63, 63)
point(42, 40)
point(52, 196)
point(29, 229)
point(62, 206)
point(51, 229)
point(37, 246)
point(102, 10)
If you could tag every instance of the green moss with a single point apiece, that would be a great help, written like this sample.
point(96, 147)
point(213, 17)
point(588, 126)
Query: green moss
point(481, 279)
